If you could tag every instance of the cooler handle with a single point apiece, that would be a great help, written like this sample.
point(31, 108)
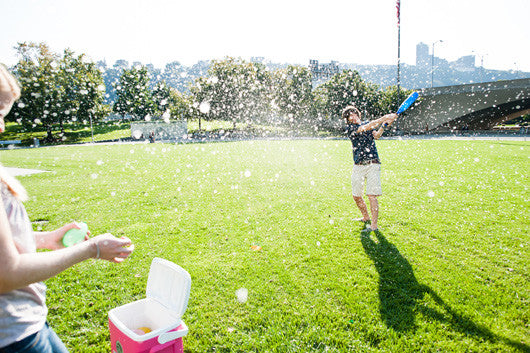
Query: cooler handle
point(173, 335)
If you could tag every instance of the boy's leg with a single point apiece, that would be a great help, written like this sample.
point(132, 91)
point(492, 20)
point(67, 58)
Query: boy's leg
point(373, 190)
point(357, 182)
point(374, 209)
point(359, 201)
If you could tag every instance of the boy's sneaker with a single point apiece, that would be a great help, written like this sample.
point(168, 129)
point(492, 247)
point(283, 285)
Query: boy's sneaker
point(366, 230)
point(366, 222)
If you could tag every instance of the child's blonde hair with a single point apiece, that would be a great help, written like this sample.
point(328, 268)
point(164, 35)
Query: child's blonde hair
point(13, 185)
point(9, 83)
point(7, 80)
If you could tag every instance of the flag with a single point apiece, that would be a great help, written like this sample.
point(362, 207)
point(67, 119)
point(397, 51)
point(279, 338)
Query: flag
point(398, 4)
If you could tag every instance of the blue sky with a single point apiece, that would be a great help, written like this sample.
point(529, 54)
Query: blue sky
point(294, 31)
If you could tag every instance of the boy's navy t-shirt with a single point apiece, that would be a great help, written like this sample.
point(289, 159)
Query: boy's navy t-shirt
point(363, 143)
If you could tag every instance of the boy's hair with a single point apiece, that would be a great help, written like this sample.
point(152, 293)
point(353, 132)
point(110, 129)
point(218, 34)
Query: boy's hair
point(350, 108)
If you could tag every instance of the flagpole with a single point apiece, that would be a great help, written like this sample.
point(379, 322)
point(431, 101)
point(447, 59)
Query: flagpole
point(398, 5)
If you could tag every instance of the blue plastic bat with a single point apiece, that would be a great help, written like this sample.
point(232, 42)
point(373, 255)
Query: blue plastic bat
point(407, 102)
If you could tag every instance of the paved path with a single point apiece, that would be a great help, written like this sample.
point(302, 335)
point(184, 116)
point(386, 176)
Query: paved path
point(22, 171)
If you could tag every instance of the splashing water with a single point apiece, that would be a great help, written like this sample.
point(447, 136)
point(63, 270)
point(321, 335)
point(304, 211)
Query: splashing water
point(137, 134)
point(204, 107)
point(242, 295)
point(166, 116)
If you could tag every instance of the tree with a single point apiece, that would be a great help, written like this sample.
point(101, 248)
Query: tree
point(234, 90)
point(176, 76)
point(38, 75)
point(134, 96)
point(179, 105)
point(344, 89)
point(260, 94)
point(56, 89)
point(391, 98)
point(293, 94)
point(111, 76)
point(83, 88)
point(161, 98)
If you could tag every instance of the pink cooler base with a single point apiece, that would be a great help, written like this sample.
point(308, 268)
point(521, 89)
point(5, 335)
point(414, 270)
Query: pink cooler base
point(121, 343)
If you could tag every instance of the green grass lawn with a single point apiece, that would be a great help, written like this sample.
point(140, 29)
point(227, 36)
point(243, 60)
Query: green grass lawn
point(448, 273)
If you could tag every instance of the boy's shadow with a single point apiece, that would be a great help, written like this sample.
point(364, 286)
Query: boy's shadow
point(400, 295)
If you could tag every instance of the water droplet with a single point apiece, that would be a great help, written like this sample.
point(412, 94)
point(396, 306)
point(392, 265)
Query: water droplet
point(204, 107)
point(242, 295)
point(137, 134)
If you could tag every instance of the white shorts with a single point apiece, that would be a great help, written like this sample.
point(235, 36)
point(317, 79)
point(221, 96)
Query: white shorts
point(370, 173)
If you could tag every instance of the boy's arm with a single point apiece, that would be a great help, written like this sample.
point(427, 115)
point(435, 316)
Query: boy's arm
point(377, 134)
point(372, 125)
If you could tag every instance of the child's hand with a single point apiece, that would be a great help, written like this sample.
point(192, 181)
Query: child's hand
point(54, 239)
point(110, 248)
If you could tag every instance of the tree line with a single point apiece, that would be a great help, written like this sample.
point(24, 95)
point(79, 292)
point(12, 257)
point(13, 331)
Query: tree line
point(69, 88)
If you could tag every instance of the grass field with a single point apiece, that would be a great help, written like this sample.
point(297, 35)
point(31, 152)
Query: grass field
point(449, 271)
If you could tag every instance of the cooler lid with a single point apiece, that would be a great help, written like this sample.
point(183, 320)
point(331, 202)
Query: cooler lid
point(169, 284)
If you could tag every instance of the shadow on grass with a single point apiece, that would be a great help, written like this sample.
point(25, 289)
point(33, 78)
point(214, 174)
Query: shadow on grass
point(83, 132)
point(400, 295)
point(74, 132)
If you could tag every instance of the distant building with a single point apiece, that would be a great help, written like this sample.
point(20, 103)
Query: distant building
point(323, 71)
point(464, 64)
point(424, 60)
point(121, 64)
point(422, 56)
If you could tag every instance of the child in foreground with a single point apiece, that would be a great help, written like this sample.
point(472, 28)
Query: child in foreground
point(23, 311)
